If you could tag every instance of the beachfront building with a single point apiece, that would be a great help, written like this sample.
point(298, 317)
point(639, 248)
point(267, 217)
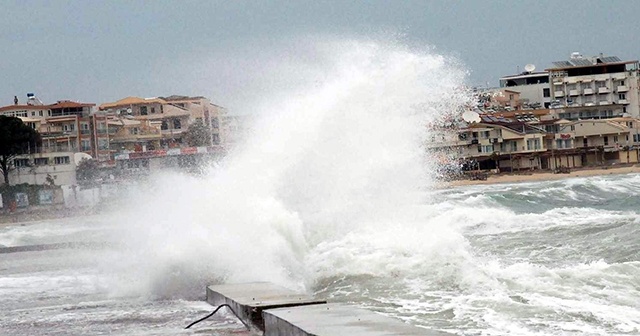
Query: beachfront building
point(533, 88)
point(147, 134)
point(65, 126)
point(170, 116)
point(597, 87)
point(510, 142)
point(60, 167)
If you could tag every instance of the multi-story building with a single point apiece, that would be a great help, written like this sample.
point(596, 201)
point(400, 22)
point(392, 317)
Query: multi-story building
point(594, 88)
point(533, 88)
point(159, 122)
point(517, 142)
point(64, 126)
point(36, 168)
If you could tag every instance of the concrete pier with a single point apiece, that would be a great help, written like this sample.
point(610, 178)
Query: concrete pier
point(250, 299)
point(335, 320)
point(279, 311)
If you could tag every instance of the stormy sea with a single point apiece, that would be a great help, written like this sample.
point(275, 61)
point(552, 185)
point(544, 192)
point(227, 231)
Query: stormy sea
point(331, 193)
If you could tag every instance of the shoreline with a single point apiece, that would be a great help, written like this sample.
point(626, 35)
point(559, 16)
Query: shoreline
point(539, 176)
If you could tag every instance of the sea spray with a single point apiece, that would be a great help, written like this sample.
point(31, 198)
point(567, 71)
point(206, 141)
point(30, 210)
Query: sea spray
point(331, 181)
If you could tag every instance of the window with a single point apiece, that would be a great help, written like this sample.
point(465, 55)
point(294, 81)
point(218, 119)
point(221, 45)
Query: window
point(61, 160)
point(573, 127)
point(177, 124)
point(485, 149)
point(215, 138)
point(622, 96)
point(164, 125)
point(21, 163)
point(40, 113)
point(606, 141)
point(41, 161)
point(585, 142)
point(143, 110)
point(636, 138)
point(533, 144)
point(33, 113)
point(103, 144)
point(153, 110)
point(621, 83)
point(615, 139)
point(134, 130)
point(601, 84)
point(85, 145)
point(546, 92)
point(486, 134)
point(514, 146)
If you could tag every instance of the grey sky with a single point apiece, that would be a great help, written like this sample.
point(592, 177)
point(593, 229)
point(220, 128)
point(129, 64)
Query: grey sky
point(102, 51)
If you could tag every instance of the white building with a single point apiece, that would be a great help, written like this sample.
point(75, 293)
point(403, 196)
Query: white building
point(594, 87)
point(533, 88)
point(35, 168)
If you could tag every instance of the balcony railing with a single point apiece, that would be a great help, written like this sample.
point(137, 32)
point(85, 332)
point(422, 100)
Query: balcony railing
point(623, 101)
point(604, 102)
point(603, 90)
point(85, 131)
point(558, 94)
point(622, 88)
point(587, 91)
point(573, 92)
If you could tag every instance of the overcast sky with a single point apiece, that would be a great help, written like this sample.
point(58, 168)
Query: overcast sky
point(101, 51)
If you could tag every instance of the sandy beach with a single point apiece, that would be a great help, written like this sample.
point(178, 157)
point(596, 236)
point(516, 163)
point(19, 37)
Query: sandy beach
point(544, 176)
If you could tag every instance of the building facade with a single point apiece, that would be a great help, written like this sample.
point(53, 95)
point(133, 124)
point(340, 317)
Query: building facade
point(594, 88)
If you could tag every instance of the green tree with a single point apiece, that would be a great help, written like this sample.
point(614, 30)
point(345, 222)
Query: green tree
point(15, 138)
point(87, 172)
point(198, 134)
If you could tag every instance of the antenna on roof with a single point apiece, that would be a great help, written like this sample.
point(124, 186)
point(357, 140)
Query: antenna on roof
point(529, 67)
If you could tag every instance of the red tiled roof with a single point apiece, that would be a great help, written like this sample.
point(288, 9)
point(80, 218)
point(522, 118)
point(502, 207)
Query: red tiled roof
point(23, 107)
point(60, 104)
point(68, 104)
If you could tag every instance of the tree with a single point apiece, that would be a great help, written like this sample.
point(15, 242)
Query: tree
point(15, 138)
point(87, 172)
point(198, 134)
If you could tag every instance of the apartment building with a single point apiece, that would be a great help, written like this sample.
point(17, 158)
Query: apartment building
point(36, 168)
point(170, 116)
point(597, 87)
point(527, 141)
point(533, 88)
point(65, 126)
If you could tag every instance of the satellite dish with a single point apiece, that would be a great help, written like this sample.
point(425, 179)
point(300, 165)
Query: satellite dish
point(529, 67)
point(471, 117)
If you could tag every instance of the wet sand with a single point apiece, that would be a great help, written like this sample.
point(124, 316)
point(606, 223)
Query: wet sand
point(544, 176)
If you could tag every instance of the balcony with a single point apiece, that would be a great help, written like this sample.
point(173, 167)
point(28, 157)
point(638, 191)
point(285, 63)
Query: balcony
point(573, 92)
point(603, 90)
point(623, 101)
point(587, 91)
point(558, 94)
point(589, 103)
point(622, 88)
point(85, 132)
point(604, 102)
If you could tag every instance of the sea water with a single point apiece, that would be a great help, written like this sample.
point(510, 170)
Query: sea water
point(331, 193)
